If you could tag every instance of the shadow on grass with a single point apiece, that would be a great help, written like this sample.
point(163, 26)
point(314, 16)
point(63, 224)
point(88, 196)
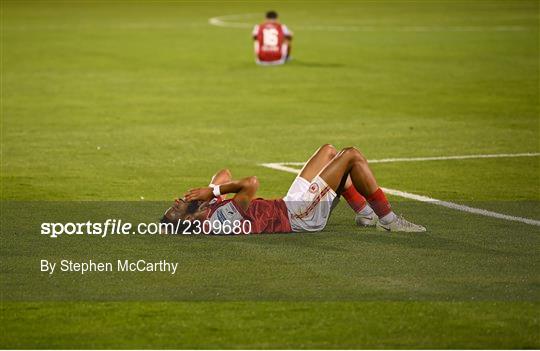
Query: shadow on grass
point(428, 241)
point(316, 64)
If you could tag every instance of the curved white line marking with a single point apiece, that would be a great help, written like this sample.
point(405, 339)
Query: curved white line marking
point(435, 158)
point(284, 166)
point(230, 21)
point(225, 21)
point(464, 208)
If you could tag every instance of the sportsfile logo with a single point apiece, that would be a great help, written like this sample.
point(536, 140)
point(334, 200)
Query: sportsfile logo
point(120, 227)
point(102, 229)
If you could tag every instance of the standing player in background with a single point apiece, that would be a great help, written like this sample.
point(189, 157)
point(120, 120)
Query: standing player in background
point(272, 41)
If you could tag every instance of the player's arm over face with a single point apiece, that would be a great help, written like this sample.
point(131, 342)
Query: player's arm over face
point(221, 177)
point(245, 190)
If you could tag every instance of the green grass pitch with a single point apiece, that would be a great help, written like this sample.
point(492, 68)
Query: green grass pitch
point(106, 103)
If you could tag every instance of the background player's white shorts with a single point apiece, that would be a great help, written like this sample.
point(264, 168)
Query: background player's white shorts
point(309, 204)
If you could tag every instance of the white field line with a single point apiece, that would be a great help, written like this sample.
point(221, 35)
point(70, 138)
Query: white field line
point(110, 26)
point(230, 21)
point(285, 168)
point(459, 207)
point(224, 21)
point(435, 158)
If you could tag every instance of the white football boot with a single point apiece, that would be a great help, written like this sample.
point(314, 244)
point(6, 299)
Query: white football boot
point(369, 220)
point(400, 224)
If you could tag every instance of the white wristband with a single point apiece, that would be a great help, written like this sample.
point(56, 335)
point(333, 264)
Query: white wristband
point(216, 191)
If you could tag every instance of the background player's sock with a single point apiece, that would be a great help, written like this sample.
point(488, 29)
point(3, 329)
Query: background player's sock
point(356, 201)
point(381, 206)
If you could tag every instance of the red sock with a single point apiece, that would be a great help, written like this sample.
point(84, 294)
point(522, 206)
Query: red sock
point(379, 203)
point(355, 200)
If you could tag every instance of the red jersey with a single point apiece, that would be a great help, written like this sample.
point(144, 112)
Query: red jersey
point(265, 216)
point(270, 38)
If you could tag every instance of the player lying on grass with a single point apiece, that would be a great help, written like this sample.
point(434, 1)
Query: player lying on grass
point(308, 203)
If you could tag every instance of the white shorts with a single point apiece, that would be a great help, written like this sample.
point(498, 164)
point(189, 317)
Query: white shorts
point(309, 204)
